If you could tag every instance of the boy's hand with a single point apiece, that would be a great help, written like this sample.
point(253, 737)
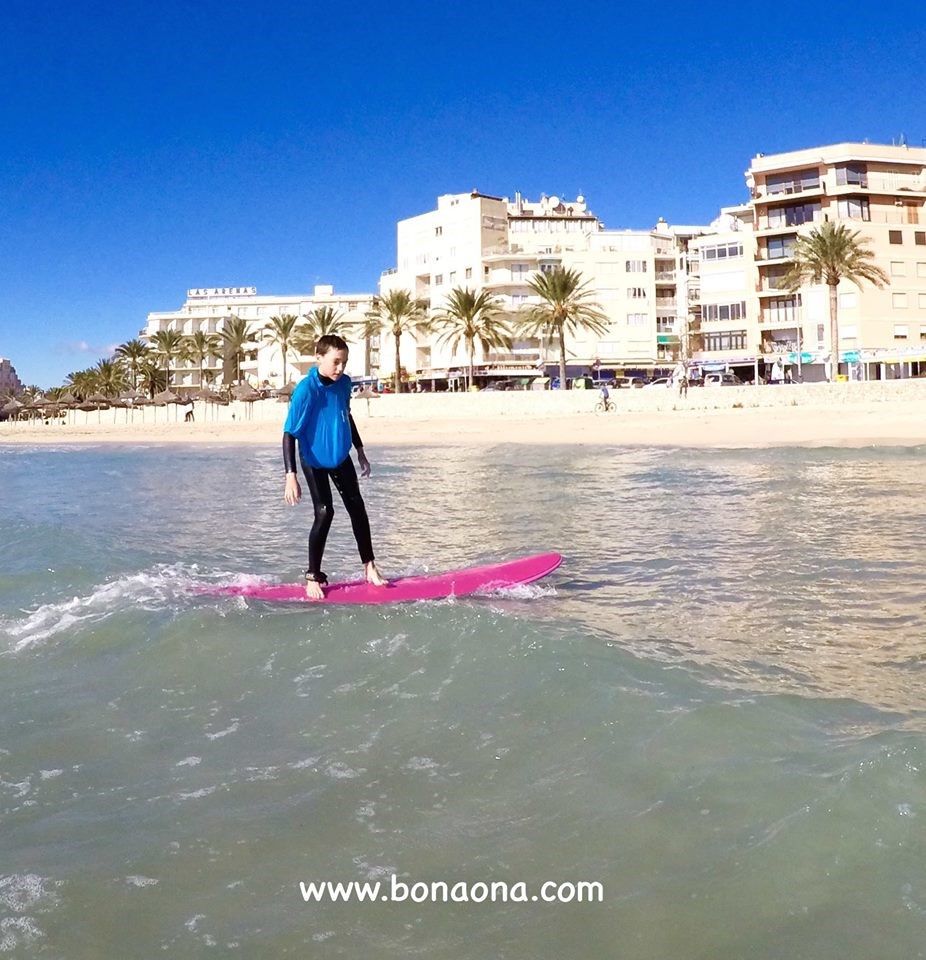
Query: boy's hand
point(364, 463)
point(293, 493)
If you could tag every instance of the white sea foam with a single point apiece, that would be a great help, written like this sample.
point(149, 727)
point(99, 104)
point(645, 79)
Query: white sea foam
point(146, 590)
point(232, 728)
point(137, 881)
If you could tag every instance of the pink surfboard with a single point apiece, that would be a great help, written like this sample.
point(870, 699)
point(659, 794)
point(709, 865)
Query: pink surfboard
point(457, 583)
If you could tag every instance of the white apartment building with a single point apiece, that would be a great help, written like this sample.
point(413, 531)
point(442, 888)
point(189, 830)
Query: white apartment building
point(10, 384)
point(208, 309)
point(748, 319)
point(640, 279)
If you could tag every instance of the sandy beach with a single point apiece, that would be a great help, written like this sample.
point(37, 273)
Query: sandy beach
point(850, 415)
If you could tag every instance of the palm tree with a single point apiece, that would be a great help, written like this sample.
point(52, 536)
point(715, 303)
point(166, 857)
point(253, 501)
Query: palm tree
point(83, 383)
point(828, 254)
point(110, 377)
point(282, 331)
point(235, 338)
point(321, 322)
point(167, 344)
point(200, 345)
point(151, 377)
point(472, 317)
point(565, 306)
point(131, 353)
point(397, 313)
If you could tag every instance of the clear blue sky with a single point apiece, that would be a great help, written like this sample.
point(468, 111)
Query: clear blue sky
point(148, 148)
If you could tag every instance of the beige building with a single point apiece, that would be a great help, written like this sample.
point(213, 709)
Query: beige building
point(748, 320)
point(10, 384)
point(208, 309)
point(640, 279)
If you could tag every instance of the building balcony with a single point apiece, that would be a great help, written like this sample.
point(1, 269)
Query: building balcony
point(665, 276)
point(666, 302)
point(777, 323)
point(761, 195)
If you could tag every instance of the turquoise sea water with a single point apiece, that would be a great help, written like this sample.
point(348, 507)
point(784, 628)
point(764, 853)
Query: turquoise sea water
point(715, 709)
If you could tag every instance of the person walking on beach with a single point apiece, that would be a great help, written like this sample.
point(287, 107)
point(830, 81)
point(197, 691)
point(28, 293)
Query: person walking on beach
point(680, 376)
point(319, 418)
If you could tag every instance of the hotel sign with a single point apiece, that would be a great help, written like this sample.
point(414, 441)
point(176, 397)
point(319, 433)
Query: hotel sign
point(199, 293)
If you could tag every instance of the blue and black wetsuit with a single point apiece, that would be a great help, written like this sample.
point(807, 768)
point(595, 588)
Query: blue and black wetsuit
point(319, 418)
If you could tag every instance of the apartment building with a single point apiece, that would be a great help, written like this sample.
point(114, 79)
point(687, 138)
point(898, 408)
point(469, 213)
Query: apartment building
point(10, 384)
point(640, 279)
point(209, 309)
point(747, 318)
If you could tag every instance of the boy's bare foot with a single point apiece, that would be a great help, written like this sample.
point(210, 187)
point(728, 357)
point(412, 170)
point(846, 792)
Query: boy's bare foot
point(314, 590)
point(373, 575)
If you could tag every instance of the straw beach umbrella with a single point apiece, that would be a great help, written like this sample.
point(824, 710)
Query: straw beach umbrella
point(247, 394)
point(166, 397)
point(12, 408)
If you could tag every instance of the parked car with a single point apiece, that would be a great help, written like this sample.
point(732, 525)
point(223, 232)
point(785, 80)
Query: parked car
point(722, 380)
point(659, 382)
point(629, 382)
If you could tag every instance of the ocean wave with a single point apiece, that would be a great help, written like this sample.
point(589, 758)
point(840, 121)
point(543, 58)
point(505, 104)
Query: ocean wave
point(145, 590)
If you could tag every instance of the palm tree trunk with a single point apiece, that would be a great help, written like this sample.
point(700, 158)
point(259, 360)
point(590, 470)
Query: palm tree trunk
point(834, 332)
point(398, 366)
point(562, 358)
point(285, 348)
point(472, 363)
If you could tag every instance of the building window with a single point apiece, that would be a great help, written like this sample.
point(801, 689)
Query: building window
point(795, 215)
point(921, 269)
point(782, 310)
point(820, 334)
point(469, 273)
point(637, 319)
point(899, 301)
point(922, 333)
point(438, 231)
point(852, 175)
point(847, 301)
point(778, 247)
point(919, 238)
point(636, 293)
point(438, 279)
point(453, 277)
point(725, 311)
point(795, 182)
point(921, 301)
point(485, 273)
point(854, 208)
point(895, 236)
point(729, 340)
point(636, 266)
point(518, 299)
point(722, 251)
point(900, 331)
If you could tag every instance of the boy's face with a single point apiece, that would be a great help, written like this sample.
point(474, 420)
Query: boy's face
point(332, 363)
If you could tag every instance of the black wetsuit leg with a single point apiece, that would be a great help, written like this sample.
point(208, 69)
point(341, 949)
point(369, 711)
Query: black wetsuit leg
point(345, 479)
point(320, 488)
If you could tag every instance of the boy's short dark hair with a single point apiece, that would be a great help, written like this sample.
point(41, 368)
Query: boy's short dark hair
point(330, 341)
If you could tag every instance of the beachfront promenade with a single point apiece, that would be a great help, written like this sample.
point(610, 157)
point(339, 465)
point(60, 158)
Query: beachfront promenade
point(854, 414)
